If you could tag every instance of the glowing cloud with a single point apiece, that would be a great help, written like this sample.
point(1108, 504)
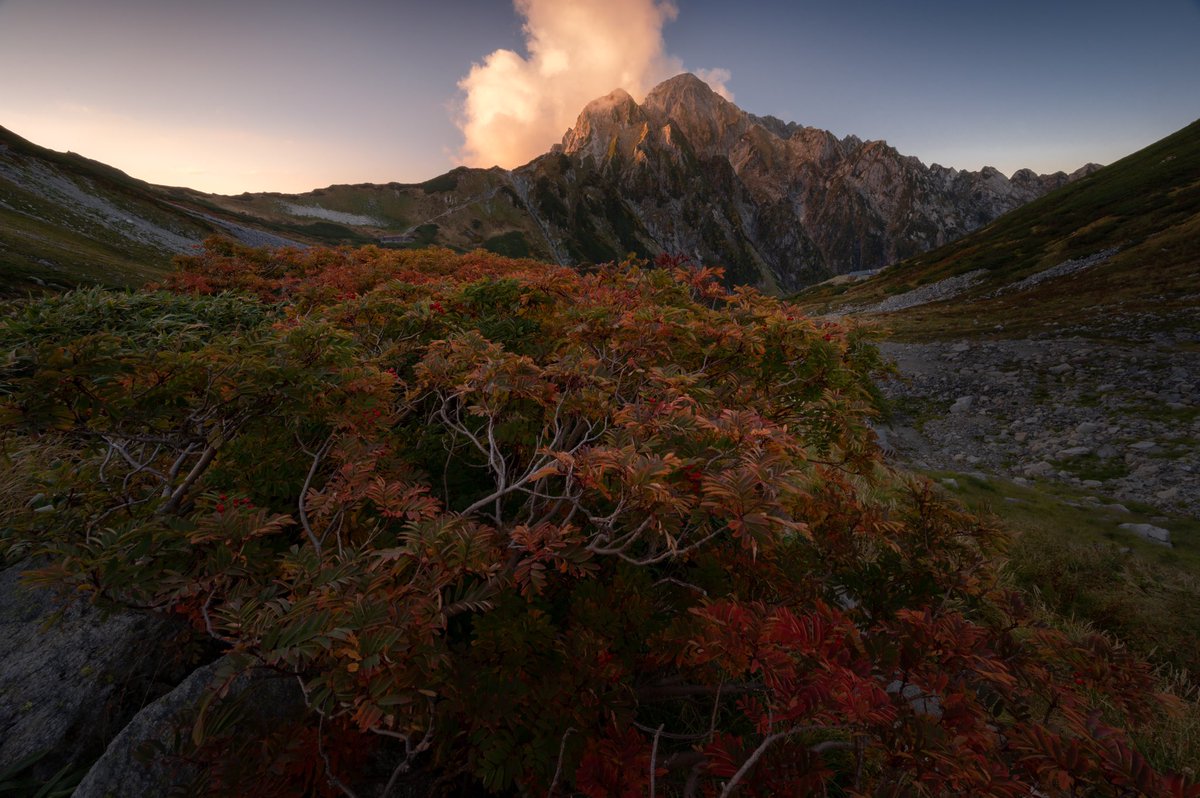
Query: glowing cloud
point(716, 79)
point(517, 106)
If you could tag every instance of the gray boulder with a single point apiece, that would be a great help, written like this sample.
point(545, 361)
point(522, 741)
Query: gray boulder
point(121, 771)
point(72, 676)
point(1154, 534)
point(921, 702)
point(962, 404)
point(1039, 469)
point(1074, 451)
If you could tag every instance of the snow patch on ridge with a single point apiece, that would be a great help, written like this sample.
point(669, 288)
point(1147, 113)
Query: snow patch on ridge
point(340, 217)
point(935, 292)
point(1061, 270)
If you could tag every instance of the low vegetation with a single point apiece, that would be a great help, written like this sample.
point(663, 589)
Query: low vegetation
point(1088, 575)
point(538, 531)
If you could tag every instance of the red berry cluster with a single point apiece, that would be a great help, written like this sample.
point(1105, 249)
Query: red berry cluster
point(694, 477)
point(237, 502)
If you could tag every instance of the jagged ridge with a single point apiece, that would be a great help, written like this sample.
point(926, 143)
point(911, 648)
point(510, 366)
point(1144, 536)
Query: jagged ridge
point(781, 205)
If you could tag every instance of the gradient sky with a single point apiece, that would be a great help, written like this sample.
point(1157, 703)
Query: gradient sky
point(290, 95)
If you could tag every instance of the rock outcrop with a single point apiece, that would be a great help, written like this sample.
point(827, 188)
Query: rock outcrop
point(70, 676)
point(121, 771)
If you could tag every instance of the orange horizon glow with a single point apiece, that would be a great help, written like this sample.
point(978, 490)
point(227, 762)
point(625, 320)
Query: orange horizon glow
point(215, 160)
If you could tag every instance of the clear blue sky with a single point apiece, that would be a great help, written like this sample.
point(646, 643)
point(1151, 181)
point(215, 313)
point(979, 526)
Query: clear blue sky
point(287, 95)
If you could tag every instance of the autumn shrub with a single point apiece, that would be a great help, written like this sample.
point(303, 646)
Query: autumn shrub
point(543, 532)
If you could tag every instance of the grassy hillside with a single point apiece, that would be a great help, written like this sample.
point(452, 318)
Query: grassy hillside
point(66, 220)
point(463, 209)
point(1147, 205)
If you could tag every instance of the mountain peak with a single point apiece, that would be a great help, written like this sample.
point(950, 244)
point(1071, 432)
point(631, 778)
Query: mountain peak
point(684, 81)
point(683, 90)
point(685, 99)
point(612, 116)
point(706, 119)
point(617, 101)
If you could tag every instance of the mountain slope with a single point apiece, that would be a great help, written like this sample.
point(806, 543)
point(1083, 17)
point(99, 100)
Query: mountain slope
point(66, 220)
point(463, 209)
point(686, 172)
point(1115, 253)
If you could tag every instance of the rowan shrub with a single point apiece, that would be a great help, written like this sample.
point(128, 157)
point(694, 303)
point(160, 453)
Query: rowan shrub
point(543, 532)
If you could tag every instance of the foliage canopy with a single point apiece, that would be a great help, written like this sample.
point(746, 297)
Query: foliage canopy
point(622, 532)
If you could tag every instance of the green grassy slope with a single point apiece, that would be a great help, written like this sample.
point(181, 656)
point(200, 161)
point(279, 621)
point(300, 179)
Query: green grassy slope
point(463, 209)
point(66, 220)
point(37, 256)
point(1147, 204)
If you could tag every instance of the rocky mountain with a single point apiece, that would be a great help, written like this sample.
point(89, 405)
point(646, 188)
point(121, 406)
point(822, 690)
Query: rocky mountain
point(686, 172)
point(779, 205)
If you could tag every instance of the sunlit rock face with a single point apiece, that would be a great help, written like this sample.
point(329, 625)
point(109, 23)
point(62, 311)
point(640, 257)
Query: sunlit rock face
point(778, 204)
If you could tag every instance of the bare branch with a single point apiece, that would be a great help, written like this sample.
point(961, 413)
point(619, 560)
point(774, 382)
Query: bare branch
point(670, 580)
point(562, 747)
point(683, 738)
point(137, 466)
point(197, 471)
point(176, 467)
point(767, 742)
point(334, 780)
point(505, 489)
point(302, 502)
point(667, 692)
point(654, 759)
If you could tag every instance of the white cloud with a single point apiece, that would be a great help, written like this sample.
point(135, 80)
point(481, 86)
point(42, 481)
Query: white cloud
point(717, 80)
point(517, 106)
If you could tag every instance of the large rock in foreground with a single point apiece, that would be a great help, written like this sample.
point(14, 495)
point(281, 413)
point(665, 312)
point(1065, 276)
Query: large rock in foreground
point(123, 771)
point(71, 677)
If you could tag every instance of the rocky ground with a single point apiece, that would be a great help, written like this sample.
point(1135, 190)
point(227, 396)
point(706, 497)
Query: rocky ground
point(1119, 423)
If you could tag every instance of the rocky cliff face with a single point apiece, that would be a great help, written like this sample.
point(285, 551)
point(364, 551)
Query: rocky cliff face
point(779, 205)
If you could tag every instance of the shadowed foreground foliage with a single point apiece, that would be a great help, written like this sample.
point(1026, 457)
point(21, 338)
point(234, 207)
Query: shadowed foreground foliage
point(540, 532)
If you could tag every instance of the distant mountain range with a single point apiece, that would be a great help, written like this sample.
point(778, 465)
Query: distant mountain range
point(779, 205)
